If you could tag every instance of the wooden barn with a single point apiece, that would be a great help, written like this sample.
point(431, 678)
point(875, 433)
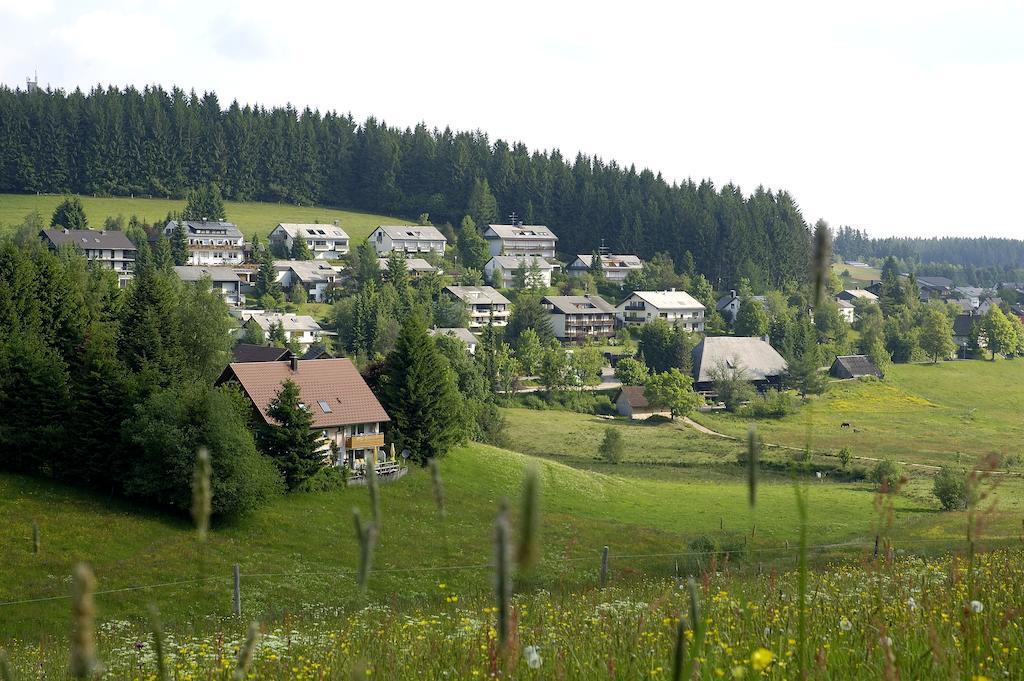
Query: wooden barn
point(854, 366)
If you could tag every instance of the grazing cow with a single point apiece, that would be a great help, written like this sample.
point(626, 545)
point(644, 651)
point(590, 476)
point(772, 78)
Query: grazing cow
point(844, 425)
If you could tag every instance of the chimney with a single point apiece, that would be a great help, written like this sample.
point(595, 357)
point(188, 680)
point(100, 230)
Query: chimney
point(295, 363)
point(65, 230)
point(673, 289)
point(732, 293)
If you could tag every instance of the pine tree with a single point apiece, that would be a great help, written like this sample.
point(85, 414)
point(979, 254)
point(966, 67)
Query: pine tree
point(69, 214)
point(398, 271)
point(366, 267)
point(179, 244)
point(205, 203)
point(473, 248)
point(291, 443)
point(482, 207)
point(420, 394)
point(596, 267)
point(163, 259)
point(300, 249)
point(149, 341)
point(528, 313)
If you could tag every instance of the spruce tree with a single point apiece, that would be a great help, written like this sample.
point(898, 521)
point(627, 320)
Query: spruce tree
point(179, 244)
point(528, 313)
point(291, 442)
point(69, 214)
point(596, 267)
point(300, 249)
point(163, 258)
point(366, 267)
point(205, 203)
point(473, 248)
point(420, 394)
point(483, 207)
point(398, 271)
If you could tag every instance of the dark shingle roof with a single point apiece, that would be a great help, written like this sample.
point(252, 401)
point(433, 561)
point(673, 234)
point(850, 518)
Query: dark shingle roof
point(963, 325)
point(89, 238)
point(247, 352)
point(854, 366)
point(757, 358)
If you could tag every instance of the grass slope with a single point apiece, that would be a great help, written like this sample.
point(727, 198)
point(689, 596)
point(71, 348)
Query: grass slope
point(251, 217)
point(299, 544)
point(858, 275)
point(922, 413)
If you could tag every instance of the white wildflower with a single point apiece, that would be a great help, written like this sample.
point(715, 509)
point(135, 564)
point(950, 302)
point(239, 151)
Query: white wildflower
point(845, 624)
point(533, 658)
point(976, 607)
point(911, 603)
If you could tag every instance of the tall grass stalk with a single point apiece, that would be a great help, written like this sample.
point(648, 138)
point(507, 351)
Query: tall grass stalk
point(202, 493)
point(683, 665)
point(83, 613)
point(35, 537)
point(245, 653)
point(366, 533)
point(437, 486)
point(373, 485)
point(753, 462)
point(159, 651)
point(527, 551)
point(6, 673)
point(502, 574)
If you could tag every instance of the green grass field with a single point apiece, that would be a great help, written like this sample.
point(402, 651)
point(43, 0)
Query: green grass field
point(251, 217)
point(858, 275)
point(921, 413)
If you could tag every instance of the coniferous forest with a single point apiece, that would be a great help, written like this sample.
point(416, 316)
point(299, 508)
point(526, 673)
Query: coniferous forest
point(161, 143)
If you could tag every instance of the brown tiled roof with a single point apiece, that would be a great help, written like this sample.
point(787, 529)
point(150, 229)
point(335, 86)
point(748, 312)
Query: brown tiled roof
point(336, 382)
point(635, 396)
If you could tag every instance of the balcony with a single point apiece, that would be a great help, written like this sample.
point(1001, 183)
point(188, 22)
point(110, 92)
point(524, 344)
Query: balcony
point(365, 441)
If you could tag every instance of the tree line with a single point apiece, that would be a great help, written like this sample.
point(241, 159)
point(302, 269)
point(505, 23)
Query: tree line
point(111, 141)
point(968, 261)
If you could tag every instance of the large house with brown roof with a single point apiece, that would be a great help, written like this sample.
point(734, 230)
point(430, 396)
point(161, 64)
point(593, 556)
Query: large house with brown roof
point(345, 412)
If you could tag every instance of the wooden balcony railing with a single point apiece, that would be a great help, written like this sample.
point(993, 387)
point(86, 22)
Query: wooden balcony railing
point(365, 441)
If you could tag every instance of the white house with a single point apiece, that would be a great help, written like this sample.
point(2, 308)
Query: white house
point(211, 242)
point(579, 318)
point(501, 269)
point(223, 280)
point(615, 267)
point(408, 239)
point(315, 276)
point(414, 266)
point(483, 303)
point(327, 242)
point(846, 310)
point(520, 240)
point(111, 249)
point(678, 308)
point(302, 329)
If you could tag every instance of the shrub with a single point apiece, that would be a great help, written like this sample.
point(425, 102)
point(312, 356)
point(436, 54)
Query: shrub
point(950, 488)
point(844, 457)
point(612, 445)
point(887, 474)
point(327, 479)
point(772, 404)
point(533, 401)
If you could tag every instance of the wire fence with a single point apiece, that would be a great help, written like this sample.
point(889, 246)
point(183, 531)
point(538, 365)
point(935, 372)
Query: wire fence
point(596, 557)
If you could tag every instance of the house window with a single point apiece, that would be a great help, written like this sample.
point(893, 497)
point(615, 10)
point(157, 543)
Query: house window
point(326, 408)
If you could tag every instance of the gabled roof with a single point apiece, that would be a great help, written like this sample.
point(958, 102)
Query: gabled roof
point(668, 300)
point(843, 303)
point(477, 295)
point(724, 301)
point(963, 324)
point(248, 352)
point(206, 228)
point(519, 232)
point(411, 264)
point(511, 262)
point(634, 395)
point(578, 304)
point(971, 291)
point(317, 351)
point(288, 322)
point(89, 238)
point(335, 383)
point(756, 357)
point(195, 273)
point(308, 271)
point(863, 294)
point(935, 282)
point(615, 262)
point(464, 335)
point(412, 232)
point(312, 230)
point(854, 366)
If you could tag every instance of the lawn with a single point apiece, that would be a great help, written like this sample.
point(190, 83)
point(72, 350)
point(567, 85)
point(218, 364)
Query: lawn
point(858, 275)
point(251, 217)
point(291, 553)
point(921, 413)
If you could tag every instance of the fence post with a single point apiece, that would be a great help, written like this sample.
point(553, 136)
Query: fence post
point(35, 537)
point(876, 548)
point(604, 566)
point(237, 601)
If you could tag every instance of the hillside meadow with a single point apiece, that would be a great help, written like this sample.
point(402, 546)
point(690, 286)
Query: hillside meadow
point(921, 413)
point(251, 217)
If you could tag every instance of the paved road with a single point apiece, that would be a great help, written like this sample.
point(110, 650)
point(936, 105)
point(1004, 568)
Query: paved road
point(608, 382)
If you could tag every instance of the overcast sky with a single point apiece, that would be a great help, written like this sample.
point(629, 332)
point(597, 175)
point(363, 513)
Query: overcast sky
point(896, 117)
